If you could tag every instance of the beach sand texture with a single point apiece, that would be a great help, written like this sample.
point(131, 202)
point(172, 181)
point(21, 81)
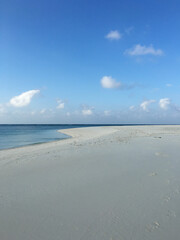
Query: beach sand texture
point(104, 183)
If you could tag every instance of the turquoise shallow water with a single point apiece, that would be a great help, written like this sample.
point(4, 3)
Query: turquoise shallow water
point(12, 136)
point(20, 135)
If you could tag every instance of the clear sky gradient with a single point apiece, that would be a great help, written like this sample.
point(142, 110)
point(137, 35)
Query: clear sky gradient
point(89, 61)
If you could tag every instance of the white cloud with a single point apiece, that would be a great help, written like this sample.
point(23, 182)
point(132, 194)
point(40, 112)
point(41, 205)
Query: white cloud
point(164, 103)
point(114, 35)
point(60, 104)
point(87, 112)
point(144, 105)
point(109, 82)
point(23, 99)
point(68, 114)
point(143, 50)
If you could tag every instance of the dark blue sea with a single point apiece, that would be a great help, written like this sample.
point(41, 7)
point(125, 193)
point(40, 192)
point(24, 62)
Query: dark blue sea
point(12, 136)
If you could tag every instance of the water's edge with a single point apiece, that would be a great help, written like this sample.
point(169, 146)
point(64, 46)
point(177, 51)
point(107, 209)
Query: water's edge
point(23, 135)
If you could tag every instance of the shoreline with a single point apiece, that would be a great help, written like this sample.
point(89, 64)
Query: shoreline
point(34, 144)
point(73, 134)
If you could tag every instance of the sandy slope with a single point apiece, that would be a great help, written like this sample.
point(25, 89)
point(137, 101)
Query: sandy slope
point(105, 183)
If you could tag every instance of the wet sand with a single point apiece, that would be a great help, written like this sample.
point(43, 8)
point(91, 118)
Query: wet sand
point(104, 183)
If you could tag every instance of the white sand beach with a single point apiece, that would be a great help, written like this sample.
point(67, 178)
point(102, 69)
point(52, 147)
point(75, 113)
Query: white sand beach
point(104, 183)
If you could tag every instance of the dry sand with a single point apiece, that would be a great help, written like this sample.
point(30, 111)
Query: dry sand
point(105, 183)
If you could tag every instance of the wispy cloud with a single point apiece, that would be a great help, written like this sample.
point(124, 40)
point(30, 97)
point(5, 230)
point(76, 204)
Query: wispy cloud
point(60, 104)
point(164, 103)
point(168, 85)
point(33, 113)
point(107, 113)
point(129, 30)
point(2, 109)
point(113, 35)
point(132, 108)
point(144, 105)
point(43, 111)
point(138, 50)
point(23, 99)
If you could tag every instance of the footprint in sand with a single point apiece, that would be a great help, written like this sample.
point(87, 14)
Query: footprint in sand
point(173, 195)
point(153, 174)
point(170, 214)
point(153, 226)
point(167, 199)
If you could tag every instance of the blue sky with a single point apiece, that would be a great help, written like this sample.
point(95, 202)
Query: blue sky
point(89, 61)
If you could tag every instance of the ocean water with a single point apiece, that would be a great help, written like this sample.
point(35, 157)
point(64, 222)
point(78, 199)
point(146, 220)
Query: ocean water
point(12, 136)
